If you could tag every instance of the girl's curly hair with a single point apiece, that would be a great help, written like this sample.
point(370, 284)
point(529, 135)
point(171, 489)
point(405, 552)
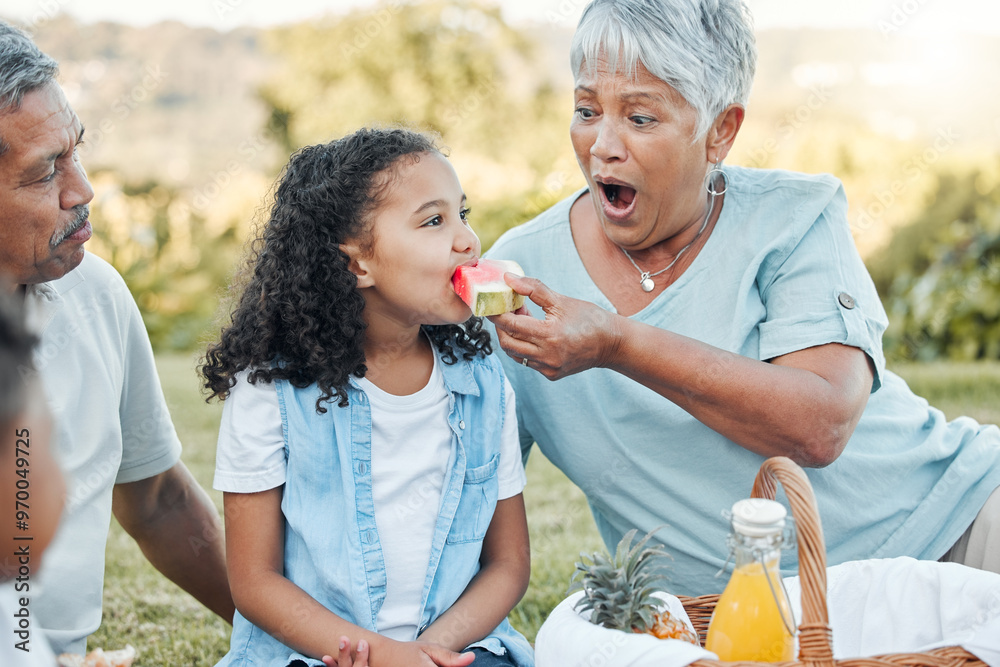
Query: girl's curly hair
point(298, 313)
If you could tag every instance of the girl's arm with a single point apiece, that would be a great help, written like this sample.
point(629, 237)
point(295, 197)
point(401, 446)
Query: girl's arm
point(499, 585)
point(255, 535)
point(802, 405)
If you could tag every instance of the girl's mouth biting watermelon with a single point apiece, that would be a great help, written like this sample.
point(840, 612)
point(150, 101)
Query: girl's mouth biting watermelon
point(483, 289)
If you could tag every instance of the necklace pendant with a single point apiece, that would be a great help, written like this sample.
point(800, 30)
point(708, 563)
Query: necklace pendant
point(646, 282)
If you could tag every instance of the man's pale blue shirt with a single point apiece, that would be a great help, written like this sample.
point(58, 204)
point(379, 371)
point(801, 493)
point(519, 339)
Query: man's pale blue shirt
point(779, 273)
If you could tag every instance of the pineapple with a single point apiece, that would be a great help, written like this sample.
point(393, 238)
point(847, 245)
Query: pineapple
point(619, 591)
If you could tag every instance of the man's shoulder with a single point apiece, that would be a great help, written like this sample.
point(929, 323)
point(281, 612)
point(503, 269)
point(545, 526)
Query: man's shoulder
point(94, 278)
point(98, 270)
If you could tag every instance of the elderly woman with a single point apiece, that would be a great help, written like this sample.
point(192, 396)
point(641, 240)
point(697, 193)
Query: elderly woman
point(699, 318)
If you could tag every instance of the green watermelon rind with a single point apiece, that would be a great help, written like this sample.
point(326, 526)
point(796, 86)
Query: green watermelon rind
point(497, 302)
point(494, 297)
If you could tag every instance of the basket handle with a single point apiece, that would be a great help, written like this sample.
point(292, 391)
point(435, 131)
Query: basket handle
point(815, 636)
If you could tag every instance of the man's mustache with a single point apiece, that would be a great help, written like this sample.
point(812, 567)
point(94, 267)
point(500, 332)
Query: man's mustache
point(82, 214)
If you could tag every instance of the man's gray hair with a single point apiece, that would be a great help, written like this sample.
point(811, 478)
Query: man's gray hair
point(23, 68)
point(704, 49)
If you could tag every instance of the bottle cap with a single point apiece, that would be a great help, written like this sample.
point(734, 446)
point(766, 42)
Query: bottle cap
point(758, 517)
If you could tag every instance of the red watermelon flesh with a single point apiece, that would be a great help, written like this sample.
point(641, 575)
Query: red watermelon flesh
point(482, 286)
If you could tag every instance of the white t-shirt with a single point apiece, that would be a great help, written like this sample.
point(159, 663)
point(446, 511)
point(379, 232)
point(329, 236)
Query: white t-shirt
point(111, 426)
point(411, 454)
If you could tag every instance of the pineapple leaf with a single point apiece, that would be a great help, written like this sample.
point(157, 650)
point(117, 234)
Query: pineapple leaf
point(619, 591)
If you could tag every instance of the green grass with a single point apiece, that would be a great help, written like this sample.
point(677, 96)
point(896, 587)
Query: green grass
point(169, 628)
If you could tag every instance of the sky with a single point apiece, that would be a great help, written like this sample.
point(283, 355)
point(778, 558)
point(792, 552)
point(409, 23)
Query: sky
point(888, 16)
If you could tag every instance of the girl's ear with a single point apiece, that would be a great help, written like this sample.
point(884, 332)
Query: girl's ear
point(357, 263)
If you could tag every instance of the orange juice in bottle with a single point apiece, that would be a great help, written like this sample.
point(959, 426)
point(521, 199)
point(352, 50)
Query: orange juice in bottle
point(753, 619)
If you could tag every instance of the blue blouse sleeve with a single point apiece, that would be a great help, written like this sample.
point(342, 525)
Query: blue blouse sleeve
point(818, 291)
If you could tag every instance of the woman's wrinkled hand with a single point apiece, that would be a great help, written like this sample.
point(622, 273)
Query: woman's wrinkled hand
point(574, 336)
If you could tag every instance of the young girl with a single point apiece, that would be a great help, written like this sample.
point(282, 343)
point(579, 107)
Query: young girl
point(368, 450)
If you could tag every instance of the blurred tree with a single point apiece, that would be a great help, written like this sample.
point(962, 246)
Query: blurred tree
point(885, 178)
point(940, 276)
point(454, 68)
point(172, 257)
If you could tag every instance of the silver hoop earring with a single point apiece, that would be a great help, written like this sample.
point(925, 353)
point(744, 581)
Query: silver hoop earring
point(710, 186)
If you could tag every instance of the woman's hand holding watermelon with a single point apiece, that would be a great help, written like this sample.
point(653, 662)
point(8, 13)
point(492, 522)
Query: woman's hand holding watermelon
point(574, 336)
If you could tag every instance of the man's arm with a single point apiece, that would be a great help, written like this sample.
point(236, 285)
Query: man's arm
point(179, 531)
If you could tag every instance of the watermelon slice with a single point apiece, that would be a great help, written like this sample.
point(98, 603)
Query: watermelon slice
point(482, 286)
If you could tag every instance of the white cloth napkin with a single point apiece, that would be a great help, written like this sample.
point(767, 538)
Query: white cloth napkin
point(567, 639)
point(892, 605)
point(901, 605)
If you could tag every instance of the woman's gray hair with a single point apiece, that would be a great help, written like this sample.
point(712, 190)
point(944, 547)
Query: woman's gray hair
point(704, 49)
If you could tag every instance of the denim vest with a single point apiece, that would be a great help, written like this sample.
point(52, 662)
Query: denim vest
point(332, 547)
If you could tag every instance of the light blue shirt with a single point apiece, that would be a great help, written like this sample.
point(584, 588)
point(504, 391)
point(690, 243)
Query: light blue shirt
point(778, 274)
point(332, 546)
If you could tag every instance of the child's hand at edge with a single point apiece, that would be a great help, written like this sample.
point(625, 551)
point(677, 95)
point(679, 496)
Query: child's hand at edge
point(444, 656)
point(344, 657)
point(439, 655)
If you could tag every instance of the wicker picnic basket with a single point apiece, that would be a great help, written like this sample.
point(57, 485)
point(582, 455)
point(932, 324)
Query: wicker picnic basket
point(815, 636)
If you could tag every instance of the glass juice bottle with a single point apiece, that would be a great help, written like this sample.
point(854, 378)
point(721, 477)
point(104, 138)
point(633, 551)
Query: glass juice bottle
point(753, 620)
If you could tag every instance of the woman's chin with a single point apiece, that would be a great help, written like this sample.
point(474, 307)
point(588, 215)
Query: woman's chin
point(615, 226)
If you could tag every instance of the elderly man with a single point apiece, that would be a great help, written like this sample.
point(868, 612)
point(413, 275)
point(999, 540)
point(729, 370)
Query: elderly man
point(114, 440)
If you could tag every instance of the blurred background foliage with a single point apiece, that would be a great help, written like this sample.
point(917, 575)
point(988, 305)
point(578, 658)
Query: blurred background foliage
point(451, 68)
point(940, 277)
point(183, 155)
point(174, 258)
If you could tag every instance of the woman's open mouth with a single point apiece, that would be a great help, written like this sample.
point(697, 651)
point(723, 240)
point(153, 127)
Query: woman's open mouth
point(617, 199)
